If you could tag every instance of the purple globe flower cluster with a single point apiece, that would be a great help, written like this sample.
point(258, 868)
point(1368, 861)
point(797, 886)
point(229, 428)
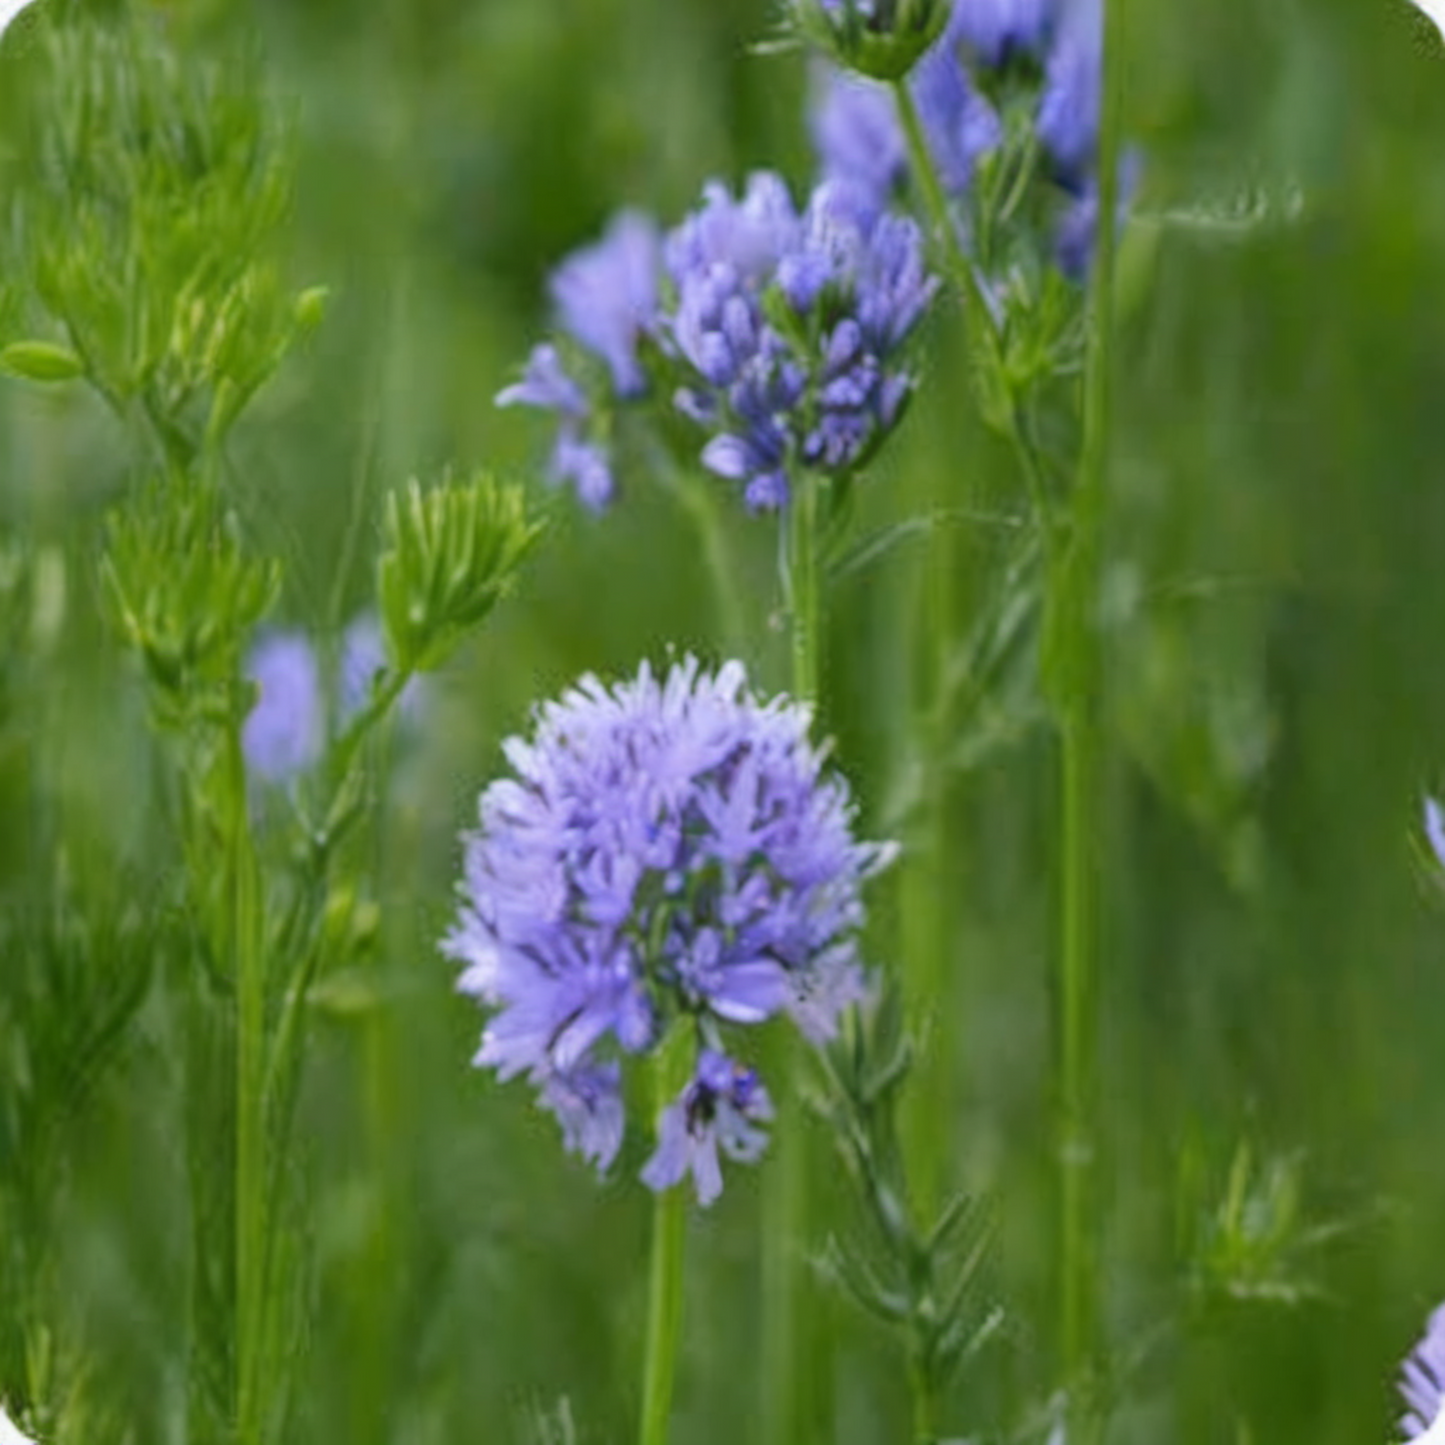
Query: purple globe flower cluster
point(788, 330)
point(792, 330)
point(860, 141)
point(284, 734)
point(1422, 1379)
point(668, 853)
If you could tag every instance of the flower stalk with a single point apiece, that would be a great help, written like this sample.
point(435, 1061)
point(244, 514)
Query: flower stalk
point(671, 1068)
point(787, 1355)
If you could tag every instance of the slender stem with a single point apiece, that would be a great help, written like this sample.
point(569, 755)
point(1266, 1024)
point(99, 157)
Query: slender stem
point(251, 1174)
point(791, 1343)
point(983, 338)
point(1081, 751)
point(925, 1408)
point(997, 392)
point(670, 1068)
point(803, 594)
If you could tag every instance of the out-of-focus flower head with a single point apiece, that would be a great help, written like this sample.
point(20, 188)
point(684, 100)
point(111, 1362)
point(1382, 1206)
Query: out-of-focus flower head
point(791, 329)
point(997, 31)
point(1078, 226)
point(285, 731)
point(605, 296)
point(1422, 1383)
point(668, 852)
point(1068, 122)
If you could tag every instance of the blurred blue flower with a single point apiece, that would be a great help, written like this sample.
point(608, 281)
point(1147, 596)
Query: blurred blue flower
point(284, 732)
point(995, 31)
point(1422, 1382)
point(792, 328)
point(1068, 122)
point(606, 296)
point(1079, 222)
point(721, 1106)
point(665, 849)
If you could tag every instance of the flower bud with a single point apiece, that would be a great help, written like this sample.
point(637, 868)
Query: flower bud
point(882, 39)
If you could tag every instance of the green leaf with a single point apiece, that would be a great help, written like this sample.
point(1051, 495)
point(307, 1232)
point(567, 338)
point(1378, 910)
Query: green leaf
point(41, 361)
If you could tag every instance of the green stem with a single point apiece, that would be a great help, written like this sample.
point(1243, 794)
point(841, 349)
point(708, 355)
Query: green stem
point(1081, 752)
point(803, 595)
point(785, 1359)
point(251, 1176)
point(997, 392)
point(925, 1408)
point(670, 1069)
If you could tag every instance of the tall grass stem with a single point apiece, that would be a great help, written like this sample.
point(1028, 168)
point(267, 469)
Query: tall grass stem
point(245, 920)
point(1080, 776)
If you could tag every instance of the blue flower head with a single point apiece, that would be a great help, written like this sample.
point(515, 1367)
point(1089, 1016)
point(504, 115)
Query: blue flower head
point(664, 850)
point(791, 330)
point(605, 297)
point(285, 731)
point(1422, 1379)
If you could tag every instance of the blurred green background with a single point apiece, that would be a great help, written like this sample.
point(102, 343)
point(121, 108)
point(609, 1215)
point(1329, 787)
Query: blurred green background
point(1274, 969)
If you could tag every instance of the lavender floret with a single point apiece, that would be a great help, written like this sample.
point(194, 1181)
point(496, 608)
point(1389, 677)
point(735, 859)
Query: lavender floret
point(606, 297)
point(720, 1108)
point(1422, 1379)
point(665, 849)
